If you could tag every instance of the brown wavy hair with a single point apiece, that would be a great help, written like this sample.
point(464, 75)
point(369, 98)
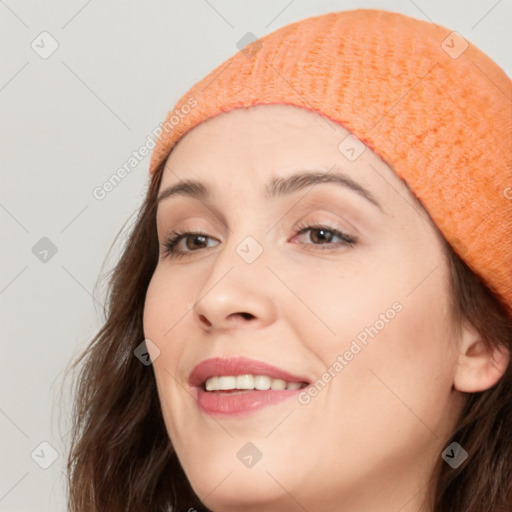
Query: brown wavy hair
point(121, 458)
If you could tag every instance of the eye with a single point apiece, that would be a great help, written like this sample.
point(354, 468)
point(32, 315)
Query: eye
point(181, 243)
point(323, 236)
point(193, 241)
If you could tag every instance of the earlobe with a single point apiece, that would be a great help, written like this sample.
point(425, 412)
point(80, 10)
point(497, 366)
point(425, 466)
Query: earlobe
point(479, 367)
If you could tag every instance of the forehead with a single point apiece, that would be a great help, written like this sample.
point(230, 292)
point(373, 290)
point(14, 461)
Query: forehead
point(266, 123)
point(255, 142)
point(242, 151)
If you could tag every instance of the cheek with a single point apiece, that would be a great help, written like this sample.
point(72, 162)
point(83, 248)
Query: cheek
point(398, 367)
point(339, 308)
point(164, 318)
point(386, 350)
point(165, 305)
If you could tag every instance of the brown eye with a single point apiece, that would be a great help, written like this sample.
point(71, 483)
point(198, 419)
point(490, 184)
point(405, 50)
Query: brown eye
point(193, 243)
point(321, 235)
point(197, 240)
point(324, 235)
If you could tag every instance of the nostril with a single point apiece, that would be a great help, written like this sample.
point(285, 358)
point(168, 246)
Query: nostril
point(205, 320)
point(246, 316)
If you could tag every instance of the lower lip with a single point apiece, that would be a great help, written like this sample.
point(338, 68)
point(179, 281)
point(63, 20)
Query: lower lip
point(240, 404)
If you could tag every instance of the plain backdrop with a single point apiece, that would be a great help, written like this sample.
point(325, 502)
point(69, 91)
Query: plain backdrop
point(82, 84)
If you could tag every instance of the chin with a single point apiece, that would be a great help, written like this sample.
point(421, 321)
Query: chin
point(230, 487)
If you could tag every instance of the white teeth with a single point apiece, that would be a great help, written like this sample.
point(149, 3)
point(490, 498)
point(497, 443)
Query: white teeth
point(262, 382)
point(245, 382)
point(212, 384)
point(259, 382)
point(278, 384)
point(227, 382)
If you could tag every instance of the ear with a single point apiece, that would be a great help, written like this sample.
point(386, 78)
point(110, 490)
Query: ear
point(478, 367)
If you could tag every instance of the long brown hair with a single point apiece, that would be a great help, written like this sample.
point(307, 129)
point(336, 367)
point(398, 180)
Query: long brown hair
point(121, 458)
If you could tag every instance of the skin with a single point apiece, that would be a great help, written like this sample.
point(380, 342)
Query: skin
point(370, 438)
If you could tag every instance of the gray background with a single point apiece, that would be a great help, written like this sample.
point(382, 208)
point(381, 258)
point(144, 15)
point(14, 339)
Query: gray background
point(68, 122)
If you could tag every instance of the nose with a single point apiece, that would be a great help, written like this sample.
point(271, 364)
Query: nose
point(236, 294)
point(236, 316)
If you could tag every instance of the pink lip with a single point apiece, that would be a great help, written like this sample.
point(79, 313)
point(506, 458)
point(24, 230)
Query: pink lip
point(239, 402)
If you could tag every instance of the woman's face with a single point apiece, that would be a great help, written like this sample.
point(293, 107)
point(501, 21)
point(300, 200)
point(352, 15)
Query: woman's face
point(338, 284)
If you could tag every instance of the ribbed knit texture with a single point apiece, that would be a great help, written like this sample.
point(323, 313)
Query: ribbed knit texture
point(440, 118)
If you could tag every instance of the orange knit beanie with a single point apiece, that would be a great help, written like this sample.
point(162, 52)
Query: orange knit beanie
point(435, 108)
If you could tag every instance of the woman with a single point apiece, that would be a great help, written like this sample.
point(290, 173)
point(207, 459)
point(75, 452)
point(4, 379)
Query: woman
point(321, 278)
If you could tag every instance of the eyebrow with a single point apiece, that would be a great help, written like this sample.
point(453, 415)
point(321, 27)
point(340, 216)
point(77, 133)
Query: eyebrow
point(276, 187)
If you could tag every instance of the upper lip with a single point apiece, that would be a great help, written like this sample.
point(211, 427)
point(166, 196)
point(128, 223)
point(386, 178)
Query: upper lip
point(217, 366)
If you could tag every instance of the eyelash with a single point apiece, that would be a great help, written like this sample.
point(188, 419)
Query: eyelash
point(176, 236)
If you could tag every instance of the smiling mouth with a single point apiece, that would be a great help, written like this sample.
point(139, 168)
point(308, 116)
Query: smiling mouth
point(243, 383)
point(239, 386)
